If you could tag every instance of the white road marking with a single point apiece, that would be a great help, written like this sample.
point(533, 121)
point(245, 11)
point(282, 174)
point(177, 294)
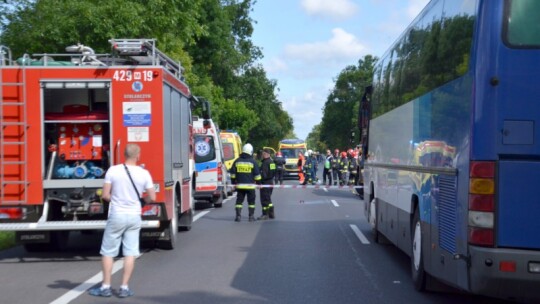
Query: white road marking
point(199, 215)
point(360, 235)
point(335, 203)
point(325, 190)
point(77, 291)
point(82, 288)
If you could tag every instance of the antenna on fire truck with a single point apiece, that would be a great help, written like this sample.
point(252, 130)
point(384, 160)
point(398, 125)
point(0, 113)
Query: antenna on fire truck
point(144, 51)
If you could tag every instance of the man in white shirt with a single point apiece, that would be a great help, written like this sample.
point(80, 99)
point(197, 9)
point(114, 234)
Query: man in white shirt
point(124, 221)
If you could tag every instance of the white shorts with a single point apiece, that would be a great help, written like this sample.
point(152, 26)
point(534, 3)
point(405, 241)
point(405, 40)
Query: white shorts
point(121, 229)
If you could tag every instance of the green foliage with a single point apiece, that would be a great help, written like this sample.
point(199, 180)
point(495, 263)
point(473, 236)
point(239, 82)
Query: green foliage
point(7, 240)
point(313, 139)
point(211, 39)
point(256, 91)
point(340, 114)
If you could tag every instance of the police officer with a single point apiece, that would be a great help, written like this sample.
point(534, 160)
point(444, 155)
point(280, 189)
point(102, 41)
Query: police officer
point(268, 171)
point(244, 174)
point(280, 168)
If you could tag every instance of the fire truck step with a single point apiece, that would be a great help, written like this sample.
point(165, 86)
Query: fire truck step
point(66, 225)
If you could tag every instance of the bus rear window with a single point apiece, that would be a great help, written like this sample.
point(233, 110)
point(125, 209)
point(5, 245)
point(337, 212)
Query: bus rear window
point(522, 23)
point(205, 149)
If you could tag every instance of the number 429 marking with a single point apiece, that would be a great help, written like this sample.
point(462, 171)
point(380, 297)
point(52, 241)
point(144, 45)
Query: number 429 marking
point(124, 75)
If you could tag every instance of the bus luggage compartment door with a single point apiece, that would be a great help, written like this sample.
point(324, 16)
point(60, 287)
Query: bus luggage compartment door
point(518, 204)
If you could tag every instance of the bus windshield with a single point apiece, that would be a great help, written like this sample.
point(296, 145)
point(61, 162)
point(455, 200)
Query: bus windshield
point(522, 29)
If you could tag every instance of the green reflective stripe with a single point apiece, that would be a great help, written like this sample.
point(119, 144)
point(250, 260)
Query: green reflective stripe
point(272, 166)
point(245, 187)
point(238, 206)
point(270, 205)
point(252, 206)
point(258, 177)
point(265, 208)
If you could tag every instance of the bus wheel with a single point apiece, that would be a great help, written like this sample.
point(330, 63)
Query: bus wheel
point(417, 255)
point(372, 218)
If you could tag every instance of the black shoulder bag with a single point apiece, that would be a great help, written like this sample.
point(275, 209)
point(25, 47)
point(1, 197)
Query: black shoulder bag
point(141, 200)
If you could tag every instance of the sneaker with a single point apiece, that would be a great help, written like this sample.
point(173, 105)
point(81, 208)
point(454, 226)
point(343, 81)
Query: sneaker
point(100, 292)
point(251, 218)
point(125, 292)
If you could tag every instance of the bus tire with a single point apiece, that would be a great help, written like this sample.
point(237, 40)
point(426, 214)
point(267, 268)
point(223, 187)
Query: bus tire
point(417, 255)
point(372, 218)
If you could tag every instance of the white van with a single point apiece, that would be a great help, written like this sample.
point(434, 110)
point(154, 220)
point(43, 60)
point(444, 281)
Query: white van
point(211, 178)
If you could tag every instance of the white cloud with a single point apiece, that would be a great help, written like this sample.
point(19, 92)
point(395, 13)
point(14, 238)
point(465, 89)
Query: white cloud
point(334, 9)
point(275, 65)
point(342, 46)
point(306, 110)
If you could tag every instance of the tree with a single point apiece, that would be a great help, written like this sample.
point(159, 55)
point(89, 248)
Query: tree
point(257, 92)
point(341, 108)
point(211, 39)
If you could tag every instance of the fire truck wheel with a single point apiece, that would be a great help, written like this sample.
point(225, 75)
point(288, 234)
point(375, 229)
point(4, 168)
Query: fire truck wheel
point(169, 240)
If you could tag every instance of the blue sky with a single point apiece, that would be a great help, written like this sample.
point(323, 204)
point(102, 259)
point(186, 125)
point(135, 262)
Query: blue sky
point(306, 43)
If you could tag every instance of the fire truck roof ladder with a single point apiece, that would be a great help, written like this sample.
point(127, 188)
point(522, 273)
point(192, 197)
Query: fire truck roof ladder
point(144, 51)
point(14, 124)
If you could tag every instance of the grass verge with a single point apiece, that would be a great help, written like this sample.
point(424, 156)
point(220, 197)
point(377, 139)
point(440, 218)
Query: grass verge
point(7, 239)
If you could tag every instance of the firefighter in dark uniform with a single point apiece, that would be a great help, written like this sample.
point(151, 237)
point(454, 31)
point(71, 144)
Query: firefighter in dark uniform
point(244, 174)
point(343, 169)
point(280, 168)
point(268, 171)
point(353, 167)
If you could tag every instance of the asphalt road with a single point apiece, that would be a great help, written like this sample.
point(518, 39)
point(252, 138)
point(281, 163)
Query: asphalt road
point(319, 249)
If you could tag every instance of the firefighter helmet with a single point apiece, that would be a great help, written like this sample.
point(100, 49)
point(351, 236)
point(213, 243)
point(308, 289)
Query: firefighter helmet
point(248, 149)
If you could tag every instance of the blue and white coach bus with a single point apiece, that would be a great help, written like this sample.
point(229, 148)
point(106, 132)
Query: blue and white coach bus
point(452, 172)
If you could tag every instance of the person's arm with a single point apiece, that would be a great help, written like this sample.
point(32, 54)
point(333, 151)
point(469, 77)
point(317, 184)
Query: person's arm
point(150, 195)
point(106, 192)
point(150, 191)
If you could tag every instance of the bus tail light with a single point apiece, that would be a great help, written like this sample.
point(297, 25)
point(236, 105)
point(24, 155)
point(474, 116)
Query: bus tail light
point(482, 204)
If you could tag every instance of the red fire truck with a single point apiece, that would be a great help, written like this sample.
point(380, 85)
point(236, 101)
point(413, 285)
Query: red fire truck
point(66, 118)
